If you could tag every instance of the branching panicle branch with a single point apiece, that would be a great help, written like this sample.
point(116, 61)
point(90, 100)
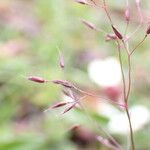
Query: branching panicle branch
point(71, 90)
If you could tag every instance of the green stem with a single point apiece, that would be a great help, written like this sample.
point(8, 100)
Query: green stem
point(131, 130)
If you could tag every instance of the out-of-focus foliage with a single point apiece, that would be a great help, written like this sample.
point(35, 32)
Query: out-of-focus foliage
point(31, 31)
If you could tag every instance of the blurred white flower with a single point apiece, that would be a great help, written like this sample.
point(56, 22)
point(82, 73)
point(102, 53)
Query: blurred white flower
point(106, 72)
point(118, 123)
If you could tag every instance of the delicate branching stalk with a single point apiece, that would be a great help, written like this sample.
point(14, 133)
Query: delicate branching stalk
point(127, 99)
point(107, 13)
point(129, 72)
point(129, 78)
point(70, 90)
point(123, 77)
point(138, 45)
point(102, 98)
point(126, 96)
point(122, 72)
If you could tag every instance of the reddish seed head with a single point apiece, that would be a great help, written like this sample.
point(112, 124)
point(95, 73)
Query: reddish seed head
point(63, 83)
point(36, 79)
point(117, 33)
point(59, 105)
point(84, 2)
point(69, 94)
point(89, 24)
point(61, 60)
point(110, 36)
point(148, 30)
point(69, 108)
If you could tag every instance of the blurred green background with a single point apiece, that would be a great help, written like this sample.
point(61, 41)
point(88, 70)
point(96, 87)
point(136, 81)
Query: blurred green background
point(30, 31)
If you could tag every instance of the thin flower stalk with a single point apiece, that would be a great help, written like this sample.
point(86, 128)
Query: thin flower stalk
point(122, 72)
point(139, 44)
point(126, 97)
point(129, 76)
point(69, 108)
point(75, 93)
point(102, 98)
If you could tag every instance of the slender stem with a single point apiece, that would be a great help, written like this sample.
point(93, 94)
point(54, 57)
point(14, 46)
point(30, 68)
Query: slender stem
point(126, 29)
point(129, 78)
point(121, 66)
point(138, 45)
point(103, 98)
point(127, 96)
point(131, 130)
point(106, 11)
point(129, 72)
point(127, 50)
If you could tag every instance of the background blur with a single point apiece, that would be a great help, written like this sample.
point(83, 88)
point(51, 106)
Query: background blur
point(30, 31)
